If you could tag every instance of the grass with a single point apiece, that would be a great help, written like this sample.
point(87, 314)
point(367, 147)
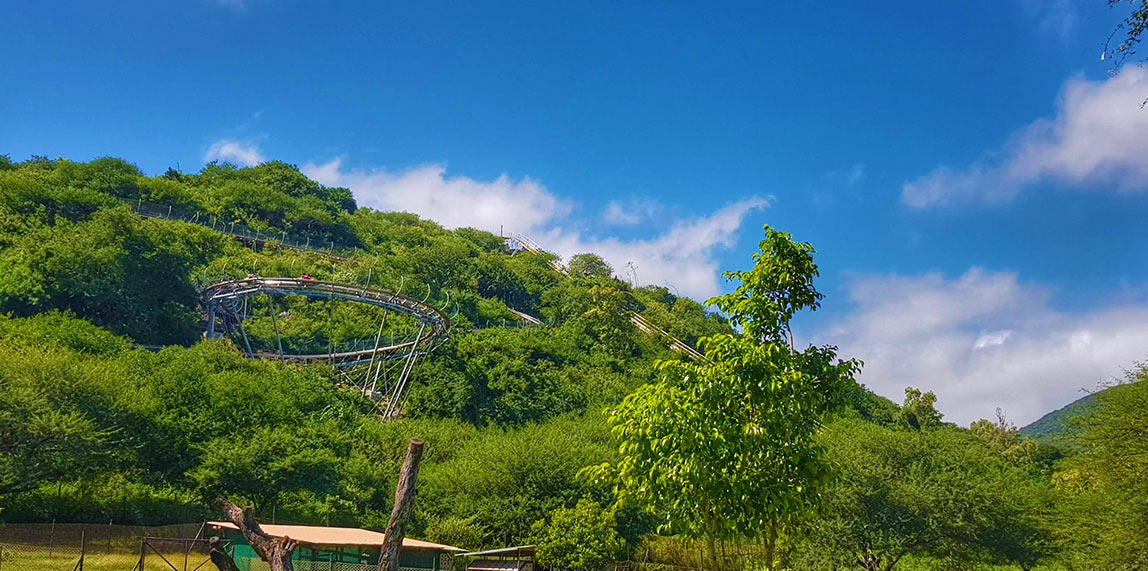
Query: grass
point(41, 560)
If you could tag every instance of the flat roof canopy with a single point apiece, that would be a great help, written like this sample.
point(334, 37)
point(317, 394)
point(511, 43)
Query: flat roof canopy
point(335, 536)
point(523, 549)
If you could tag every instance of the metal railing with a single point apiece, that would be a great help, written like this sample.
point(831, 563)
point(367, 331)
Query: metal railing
point(641, 323)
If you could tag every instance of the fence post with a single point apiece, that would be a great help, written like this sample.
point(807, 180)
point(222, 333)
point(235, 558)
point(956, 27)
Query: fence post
point(83, 547)
point(52, 537)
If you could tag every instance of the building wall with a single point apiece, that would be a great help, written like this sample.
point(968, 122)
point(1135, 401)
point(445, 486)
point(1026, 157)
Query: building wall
point(247, 560)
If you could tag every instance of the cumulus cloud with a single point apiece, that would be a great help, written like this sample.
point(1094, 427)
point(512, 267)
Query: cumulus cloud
point(683, 256)
point(453, 201)
point(242, 153)
point(1098, 138)
point(983, 340)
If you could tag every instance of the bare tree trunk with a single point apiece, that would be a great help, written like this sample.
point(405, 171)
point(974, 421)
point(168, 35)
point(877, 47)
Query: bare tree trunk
point(220, 558)
point(404, 506)
point(276, 551)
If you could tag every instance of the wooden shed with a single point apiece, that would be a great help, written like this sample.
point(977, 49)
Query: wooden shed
point(336, 548)
point(519, 558)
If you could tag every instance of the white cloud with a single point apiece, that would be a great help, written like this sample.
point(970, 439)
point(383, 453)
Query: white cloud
point(984, 340)
point(242, 153)
point(992, 339)
point(684, 255)
point(453, 201)
point(630, 212)
point(1099, 137)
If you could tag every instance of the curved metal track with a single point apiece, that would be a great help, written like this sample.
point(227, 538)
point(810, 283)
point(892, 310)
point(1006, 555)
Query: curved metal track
point(222, 301)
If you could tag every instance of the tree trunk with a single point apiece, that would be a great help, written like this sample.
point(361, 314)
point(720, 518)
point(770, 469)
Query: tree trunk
point(276, 551)
point(712, 551)
point(771, 546)
point(404, 506)
point(220, 558)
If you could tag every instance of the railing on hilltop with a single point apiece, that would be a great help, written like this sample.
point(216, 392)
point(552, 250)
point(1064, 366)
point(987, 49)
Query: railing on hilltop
point(300, 242)
point(259, 238)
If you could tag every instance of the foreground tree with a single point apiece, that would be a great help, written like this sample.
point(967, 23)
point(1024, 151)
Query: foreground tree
point(1132, 28)
point(724, 447)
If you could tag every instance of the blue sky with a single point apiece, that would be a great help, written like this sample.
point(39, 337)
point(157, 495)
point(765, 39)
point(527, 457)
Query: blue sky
point(972, 179)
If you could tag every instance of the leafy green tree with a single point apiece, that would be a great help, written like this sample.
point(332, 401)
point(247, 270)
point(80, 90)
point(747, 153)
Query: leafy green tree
point(608, 317)
point(724, 446)
point(39, 443)
point(589, 266)
point(461, 532)
point(507, 479)
point(940, 494)
point(582, 538)
point(1021, 451)
point(920, 410)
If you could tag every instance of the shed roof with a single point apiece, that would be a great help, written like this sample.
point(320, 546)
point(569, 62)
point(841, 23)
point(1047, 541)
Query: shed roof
point(342, 536)
point(521, 549)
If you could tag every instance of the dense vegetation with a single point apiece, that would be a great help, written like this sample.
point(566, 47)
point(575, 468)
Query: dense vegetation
point(94, 427)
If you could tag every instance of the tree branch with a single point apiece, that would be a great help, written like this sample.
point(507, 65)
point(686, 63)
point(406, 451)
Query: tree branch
point(276, 551)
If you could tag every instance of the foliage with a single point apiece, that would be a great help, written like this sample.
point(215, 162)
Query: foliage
point(582, 538)
point(1056, 428)
point(725, 447)
point(1022, 451)
point(1104, 514)
point(730, 449)
point(937, 493)
point(589, 266)
point(920, 410)
point(1133, 27)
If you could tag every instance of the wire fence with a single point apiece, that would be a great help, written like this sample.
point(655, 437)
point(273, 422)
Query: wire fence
point(107, 547)
point(253, 236)
point(101, 547)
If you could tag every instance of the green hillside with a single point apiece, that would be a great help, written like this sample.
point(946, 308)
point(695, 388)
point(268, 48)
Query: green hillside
point(1054, 428)
point(115, 407)
point(138, 436)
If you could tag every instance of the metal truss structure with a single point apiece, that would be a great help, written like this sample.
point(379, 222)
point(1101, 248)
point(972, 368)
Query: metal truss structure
point(380, 370)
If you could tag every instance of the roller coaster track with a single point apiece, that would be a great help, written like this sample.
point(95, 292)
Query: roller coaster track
point(519, 241)
point(222, 303)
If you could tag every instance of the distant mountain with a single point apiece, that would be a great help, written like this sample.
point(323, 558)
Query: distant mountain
point(1053, 428)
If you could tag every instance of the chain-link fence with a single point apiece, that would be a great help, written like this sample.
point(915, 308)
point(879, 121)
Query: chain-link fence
point(96, 547)
point(253, 236)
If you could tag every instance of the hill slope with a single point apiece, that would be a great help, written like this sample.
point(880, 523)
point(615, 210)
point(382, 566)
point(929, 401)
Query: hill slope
point(96, 430)
point(1053, 428)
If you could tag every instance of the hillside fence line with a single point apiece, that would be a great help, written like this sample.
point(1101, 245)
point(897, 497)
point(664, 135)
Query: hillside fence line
point(102, 547)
